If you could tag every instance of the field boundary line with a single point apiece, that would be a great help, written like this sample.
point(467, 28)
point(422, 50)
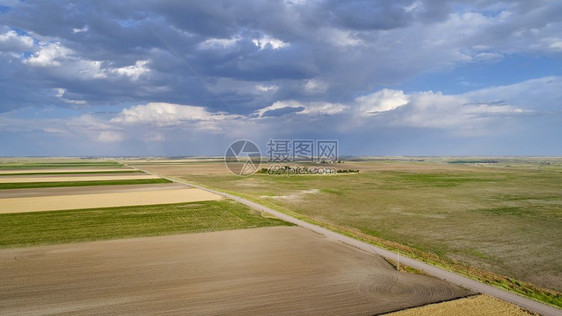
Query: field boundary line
point(449, 276)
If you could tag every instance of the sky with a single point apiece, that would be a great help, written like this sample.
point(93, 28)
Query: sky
point(187, 78)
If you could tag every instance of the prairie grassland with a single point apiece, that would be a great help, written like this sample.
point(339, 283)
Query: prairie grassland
point(500, 222)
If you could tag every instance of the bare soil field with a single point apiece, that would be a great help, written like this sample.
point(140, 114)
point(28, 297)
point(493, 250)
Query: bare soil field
point(98, 200)
point(287, 270)
point(14, 193)
point(67, 178)
point(468, 306)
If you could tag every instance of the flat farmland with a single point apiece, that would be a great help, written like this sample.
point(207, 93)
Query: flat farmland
point(498, 222)
point(104, 246)
point(91, 211)
point(273, 270)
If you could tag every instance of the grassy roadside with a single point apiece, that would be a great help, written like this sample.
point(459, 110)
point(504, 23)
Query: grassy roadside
point(520, 287)
point(56, 227)
point(24, 185)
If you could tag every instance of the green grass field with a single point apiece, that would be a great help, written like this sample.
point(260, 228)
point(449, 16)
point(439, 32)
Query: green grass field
point(500, 222)
point(28, 185)
point(45, 228)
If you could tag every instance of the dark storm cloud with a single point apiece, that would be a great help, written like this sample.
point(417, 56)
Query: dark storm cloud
point(362, 15)
point(282, 112)
point(333, 42)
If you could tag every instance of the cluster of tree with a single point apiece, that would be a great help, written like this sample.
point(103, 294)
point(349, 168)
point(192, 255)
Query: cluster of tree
point(331, 161)
point(348, 170)
point(475, 161)
point(286, 169)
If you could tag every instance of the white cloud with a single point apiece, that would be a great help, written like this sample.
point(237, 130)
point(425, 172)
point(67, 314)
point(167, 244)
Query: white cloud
point(455, 112)
point(264, 88)
point(304, 108)
point(60, 92)
point(540, 94)
point(80, 30)
point(66, 63)
point(12, 41)
point(88, 68)
point(552, 43)
point(49, 55)
point(313, 86)
point(291, 104)
point(167, 114)
point(381, 101)
point(135, 71)
point(268, 41)
point(215, 43)
point(476, 113)
point(56, 56)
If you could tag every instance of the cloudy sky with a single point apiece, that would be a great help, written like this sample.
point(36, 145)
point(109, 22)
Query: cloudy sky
point(411, 77)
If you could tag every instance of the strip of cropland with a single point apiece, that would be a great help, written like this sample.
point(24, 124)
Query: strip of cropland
point(499, 223)
point(55, 227)
point(33, 164)
point(48, 173)
point(79, 177)
point(24, 185)
point(62, 191)
point(33, 172)
point(114, 199)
